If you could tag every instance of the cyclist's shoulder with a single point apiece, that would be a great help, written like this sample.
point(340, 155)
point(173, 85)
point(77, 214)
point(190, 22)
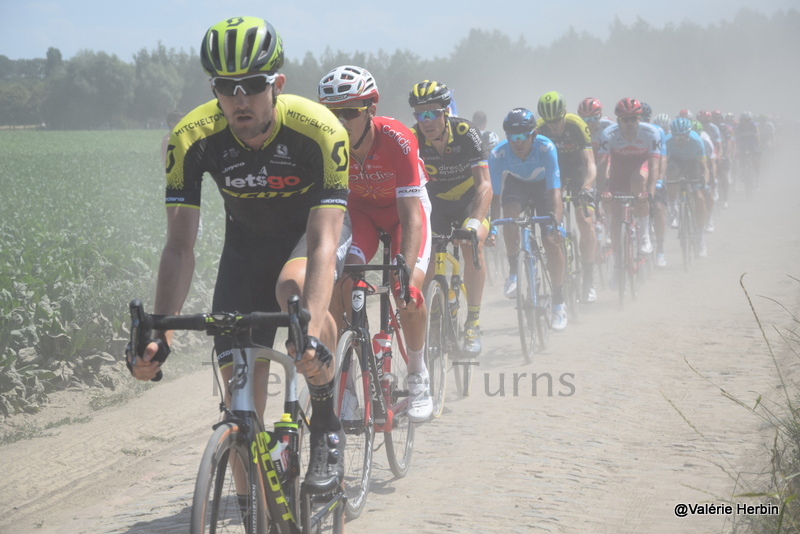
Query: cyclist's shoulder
point(309, 118)
point(202, 122)
point(393, 134)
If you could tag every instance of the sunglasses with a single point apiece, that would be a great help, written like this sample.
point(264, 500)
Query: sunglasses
point(587, 120)
point(553, 121)
point(429, 114)
point(519, 136)
point(347, 114)
point(251, 85)
point(630, 118)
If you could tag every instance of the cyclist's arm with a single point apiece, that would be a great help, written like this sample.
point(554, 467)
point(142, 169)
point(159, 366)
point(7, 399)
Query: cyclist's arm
point(704, 166)
point(602, 167)
point(408, 210)
point(556, 203)
point(653, 173)
point(176, 268)
point(483, 192)
point(590, 173)
point(323, 230)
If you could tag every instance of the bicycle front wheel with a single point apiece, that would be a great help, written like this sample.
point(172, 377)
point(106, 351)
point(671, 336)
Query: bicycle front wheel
point(435, 340)
point(353, 404)
point(685, 234)
point(400, 440)
point(221, 504)
point(544, 302)
point(526, 308)
point(573, 278)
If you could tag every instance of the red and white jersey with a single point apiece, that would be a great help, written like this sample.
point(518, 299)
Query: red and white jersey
point(626, 157)
point(392, 168)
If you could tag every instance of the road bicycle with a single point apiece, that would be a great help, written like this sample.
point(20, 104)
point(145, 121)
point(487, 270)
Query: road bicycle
point(628, 258)
point(534, 299)
point(496, 261)
point(250, 479)
point(573, 265)
point(446, 298)
point(687, 225)
point(371, 384)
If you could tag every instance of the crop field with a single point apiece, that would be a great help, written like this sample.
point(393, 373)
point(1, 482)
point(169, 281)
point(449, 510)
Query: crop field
point(81, 231)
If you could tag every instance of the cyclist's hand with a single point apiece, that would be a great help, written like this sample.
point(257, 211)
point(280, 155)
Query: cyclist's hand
point(149, 364)
point(606, 196)
point(315, 360)
point(558, 233)
point(586, 196)
point(643, 196)
point(472, 225)
point(415, 302)
point(491, 239)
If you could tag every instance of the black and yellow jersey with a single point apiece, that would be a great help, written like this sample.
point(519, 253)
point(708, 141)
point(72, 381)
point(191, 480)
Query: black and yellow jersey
point(450, 175)
point(302, 166)
point(570, 145)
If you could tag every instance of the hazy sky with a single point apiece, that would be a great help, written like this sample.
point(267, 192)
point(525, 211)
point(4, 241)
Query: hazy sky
point(31, 26)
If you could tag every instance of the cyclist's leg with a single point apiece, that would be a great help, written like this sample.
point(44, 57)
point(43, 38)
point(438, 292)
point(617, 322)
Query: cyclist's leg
point(660, 221)
point(641, 210)
point(587, 244)
point(512, 200)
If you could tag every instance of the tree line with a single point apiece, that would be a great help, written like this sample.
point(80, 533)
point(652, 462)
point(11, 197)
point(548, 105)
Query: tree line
point(751, 62)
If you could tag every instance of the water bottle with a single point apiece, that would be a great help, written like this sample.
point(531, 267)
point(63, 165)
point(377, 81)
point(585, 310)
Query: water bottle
point(382, 347)
point(286, 438)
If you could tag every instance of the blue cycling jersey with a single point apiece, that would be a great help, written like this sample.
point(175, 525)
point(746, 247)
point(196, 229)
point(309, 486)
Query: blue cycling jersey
point(663, 144)
point(692, 149)
point(541, 164)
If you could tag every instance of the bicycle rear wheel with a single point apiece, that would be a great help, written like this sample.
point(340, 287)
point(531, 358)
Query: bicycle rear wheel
point(400, 440)
point(217, 506)
point(544, 302)
point(435, 340)
point(624, 261)
point(573, 278)
point(526, 309)
point(353, 405)
point(685, 234)
point(459, 309)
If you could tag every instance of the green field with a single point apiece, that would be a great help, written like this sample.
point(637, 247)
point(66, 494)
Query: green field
point(81, 233)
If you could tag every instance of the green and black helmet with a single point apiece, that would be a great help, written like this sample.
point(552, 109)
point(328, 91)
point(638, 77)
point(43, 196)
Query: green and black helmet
point(240, 46)
point(552, 106)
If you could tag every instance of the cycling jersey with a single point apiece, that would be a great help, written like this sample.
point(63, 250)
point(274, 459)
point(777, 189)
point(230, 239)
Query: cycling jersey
point(570, 145)
point(708, 145)
point(692, 149)
point(747, 136)
point(626, 157)
point(392, 168)
point(450, 175)
point(713, 132)
point(302, 166)
point(541, 165)
point(603, 124)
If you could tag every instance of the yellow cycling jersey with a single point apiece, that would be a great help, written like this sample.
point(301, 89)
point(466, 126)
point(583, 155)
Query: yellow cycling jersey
point(302, 166)
point(570, 144)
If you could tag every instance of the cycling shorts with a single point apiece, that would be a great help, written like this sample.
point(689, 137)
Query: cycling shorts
point(248, 274)
point(688, 168)
point(447, 213)
point(369, 221)
point(533, 194)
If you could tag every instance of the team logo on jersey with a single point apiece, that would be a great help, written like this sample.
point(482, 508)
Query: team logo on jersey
point(282, 150)
point(230, 153)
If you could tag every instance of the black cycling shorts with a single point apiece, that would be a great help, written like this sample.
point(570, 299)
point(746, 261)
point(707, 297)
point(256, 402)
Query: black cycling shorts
point(533, 194)
point(248, 274)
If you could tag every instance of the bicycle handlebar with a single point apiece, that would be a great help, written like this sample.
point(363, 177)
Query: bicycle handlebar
point(216, 323)
point(461, 234)
point(400, 266)
point(524, 220)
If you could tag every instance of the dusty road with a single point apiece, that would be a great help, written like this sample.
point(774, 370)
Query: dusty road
point(627, 431)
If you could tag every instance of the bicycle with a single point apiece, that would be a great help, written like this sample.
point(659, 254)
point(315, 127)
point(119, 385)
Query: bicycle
point(265, 466)
point(534, 288)
point(573, 266)
point(370, 383)
point(629, 259)
point(496, 262)
point(687, 230)
point(446, 297)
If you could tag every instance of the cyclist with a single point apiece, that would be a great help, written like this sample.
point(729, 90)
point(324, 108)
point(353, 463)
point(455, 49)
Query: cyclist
point(387, 193)
point(748, 144)
point(725, 155)
point(525, 173)
point(711, 164)
point(624, 148)
point(659, 200)
point(489, 138)
point(458, 186)
point(687, 158)
point(576, 164)
point(280, 163)
point(591, 111)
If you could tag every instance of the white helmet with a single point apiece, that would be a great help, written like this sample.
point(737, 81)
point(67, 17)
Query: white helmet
point(347, 84)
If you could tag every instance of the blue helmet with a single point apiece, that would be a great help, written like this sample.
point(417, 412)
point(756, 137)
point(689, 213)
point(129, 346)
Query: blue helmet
point(519, 120)
point(681, 126)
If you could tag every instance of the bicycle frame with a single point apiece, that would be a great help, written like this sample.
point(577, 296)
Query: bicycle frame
point(283, 498)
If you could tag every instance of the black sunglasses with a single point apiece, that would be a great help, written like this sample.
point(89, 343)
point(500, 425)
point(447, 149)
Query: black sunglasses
point(347, 114)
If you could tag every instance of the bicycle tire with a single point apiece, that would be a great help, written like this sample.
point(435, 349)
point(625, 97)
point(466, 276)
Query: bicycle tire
point(686, 234)
point(215, 507)
point(634, 268)
point(333, 522)
point(526, 310)
point(573, 277)
point(435, 345)
point(463, 377)
point(544, 301)
point(624, 259)
point(459, 312)
point(353, 405)
point(400, 440)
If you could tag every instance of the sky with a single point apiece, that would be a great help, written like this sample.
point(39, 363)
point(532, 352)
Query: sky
point(30, 27)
